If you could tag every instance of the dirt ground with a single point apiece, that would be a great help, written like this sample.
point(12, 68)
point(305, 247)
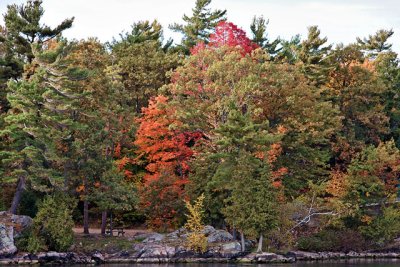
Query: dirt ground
point(97, 231)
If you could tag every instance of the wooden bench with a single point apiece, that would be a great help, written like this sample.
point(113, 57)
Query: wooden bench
point(119, 230)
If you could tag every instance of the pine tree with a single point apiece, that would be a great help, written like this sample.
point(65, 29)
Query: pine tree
point(37, 127)
point(24, 27)
point(314, 56)
point(198, 27)
point(142, 63)
point(258, 28)
point(376, 43)
point(252, 202)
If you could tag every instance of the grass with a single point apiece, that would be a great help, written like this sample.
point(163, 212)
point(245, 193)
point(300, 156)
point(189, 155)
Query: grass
point(107, 244)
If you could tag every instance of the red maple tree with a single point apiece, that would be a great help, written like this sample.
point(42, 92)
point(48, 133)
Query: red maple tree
point(227, 34)
point(166, 152)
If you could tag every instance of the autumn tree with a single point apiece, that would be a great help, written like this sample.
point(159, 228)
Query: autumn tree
point(196, 240)
point(165, 150)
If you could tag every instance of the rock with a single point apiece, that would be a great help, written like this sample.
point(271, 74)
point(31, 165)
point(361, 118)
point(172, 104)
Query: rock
point(7, 246)
point(231, 250)
point(303, 255)
point(154, 238)
point(231, 246)
point(157, 251)
point(180, 233)
point(98, 257)
point(267, 257)
point(219, 236)
point(11, 226)
point(20, 222)
point(208, 229)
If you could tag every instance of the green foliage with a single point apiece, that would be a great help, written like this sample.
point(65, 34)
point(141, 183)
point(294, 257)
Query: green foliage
point(333, 240)
point(383, 228)
point(198, 27)
point(24, 27)
point(29, 242)
point(196, 240)
point(53, 223)
point(258, 28)
point(314, 57)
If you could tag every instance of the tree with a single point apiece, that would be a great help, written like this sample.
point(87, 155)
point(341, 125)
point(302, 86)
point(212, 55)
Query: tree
point(166, 152)
point(376, 43)
point(252, 203)
point(196, 239)
point(228, 35)
point(258, 28)
point(24, 28)
point(315, 57)
point(198, 27)
point(289, 51)
point(37, 126)
point(373, 176)
point(142, 63)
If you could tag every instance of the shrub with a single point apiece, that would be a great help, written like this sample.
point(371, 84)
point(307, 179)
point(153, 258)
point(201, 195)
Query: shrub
point(53, 223)
point(383, 228)
point(343, 240)
point(196, 239)
point(29, 242)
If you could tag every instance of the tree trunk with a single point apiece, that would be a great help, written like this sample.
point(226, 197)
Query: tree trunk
point(234, 233)
point(260, 243)
point(18, 194)
point(111, 224)
point(103, 222)
point(243, 245)
point(86, 216)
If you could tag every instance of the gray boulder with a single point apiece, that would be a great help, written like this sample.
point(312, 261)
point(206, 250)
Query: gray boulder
point(157, 251)
point(7, 246)
point(20, 222)
point(219, 236)
point(154, 238)
point(232, 246)
point(11, 226)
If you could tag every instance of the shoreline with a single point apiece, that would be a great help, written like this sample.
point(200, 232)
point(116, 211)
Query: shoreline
point(266, 257)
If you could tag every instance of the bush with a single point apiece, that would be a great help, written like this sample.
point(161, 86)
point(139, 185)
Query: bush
point(343, 240)
point(29, 242)
point(383, 228)
point(196, 239)
point(53, 224)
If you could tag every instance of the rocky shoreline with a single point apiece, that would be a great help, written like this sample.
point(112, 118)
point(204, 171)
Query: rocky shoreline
point(118, 258)
point(159, 248)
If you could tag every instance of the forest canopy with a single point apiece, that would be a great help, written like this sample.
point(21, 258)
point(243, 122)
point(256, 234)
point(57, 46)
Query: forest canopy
point(269, 134)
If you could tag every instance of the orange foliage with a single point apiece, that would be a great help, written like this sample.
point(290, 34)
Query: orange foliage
point(166, 152)
point(337, 185)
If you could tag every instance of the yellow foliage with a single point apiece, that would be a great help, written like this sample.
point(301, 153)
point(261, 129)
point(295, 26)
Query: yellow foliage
point(196, 240)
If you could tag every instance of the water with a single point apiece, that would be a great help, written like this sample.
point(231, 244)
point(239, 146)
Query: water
point(338, 263)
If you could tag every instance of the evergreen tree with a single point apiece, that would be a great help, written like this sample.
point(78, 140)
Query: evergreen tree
point(252, 202)
point(142, 63)
point(314, 56)
point(24, 28)
point(258, 28)
point(38, 125)
point(198, 27)
point(289, 51)
point(376, 43)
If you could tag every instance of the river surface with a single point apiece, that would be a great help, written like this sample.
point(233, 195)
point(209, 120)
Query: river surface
point(338, 263)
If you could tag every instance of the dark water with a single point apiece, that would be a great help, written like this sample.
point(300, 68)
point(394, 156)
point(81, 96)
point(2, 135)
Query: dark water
point(340, 263)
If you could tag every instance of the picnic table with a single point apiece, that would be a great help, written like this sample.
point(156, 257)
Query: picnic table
point(119, 230)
